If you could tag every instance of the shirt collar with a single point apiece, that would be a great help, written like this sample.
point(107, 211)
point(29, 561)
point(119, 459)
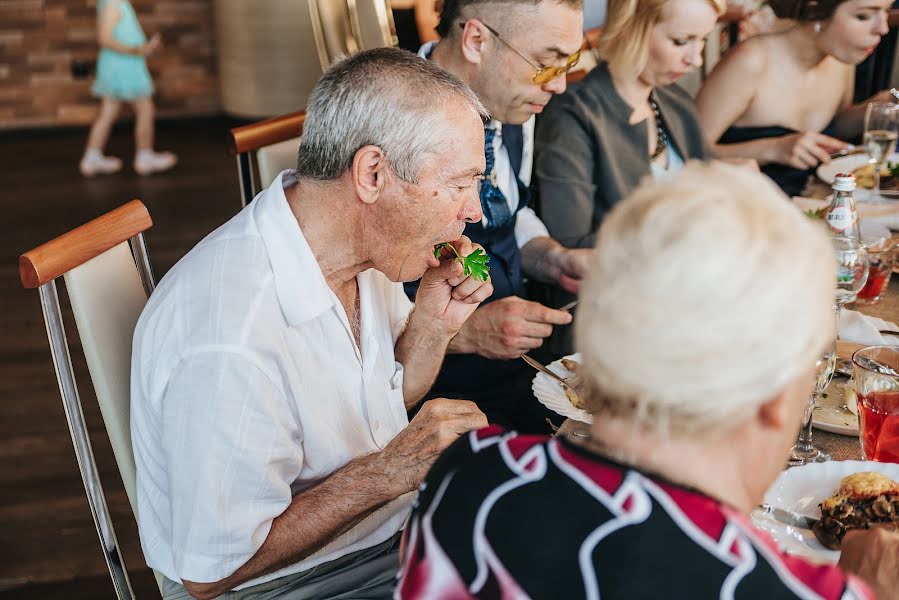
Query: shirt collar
point(426, 49)
point(300, 284)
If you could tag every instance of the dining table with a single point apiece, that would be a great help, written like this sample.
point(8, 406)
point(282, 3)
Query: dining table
point(847, 447)
point(840, 446)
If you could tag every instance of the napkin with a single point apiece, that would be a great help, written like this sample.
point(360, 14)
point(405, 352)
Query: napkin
point(863, 329)
point(886, 215)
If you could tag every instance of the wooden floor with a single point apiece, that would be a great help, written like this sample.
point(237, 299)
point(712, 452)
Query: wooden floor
point(48, 546)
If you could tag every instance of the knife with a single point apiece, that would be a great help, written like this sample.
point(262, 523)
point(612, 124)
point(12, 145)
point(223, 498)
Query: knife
point(788, 517)
point(543, 369)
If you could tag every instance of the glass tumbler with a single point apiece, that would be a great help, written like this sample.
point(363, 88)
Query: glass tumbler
point(876, 376)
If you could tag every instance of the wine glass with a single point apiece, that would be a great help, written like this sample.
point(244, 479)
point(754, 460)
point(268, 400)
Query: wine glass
point(804, 451)
point(852, 273)
point(881, 133)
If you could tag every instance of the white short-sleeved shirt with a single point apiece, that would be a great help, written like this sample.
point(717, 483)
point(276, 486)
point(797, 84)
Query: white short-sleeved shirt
point(527, 224)
point(247, 387)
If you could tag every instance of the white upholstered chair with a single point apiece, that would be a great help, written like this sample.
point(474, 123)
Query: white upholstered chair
point(263, 150)
point(108, 279)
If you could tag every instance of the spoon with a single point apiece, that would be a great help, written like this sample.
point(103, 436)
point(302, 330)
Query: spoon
point(875, 366)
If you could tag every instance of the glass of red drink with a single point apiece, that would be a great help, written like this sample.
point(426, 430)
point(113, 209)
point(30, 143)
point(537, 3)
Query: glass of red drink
point(881, 257)
point(876, 375)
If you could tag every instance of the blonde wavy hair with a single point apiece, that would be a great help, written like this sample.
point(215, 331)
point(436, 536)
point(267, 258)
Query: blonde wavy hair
point(624, 42)
point(709, 293)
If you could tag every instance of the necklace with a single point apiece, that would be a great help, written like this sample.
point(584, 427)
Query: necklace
point(661, 134)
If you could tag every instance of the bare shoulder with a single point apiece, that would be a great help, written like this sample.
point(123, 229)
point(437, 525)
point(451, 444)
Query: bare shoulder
point(738, 73)
point(749, 57)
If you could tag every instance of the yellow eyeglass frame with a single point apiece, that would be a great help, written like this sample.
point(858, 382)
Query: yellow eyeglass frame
point(542, 75)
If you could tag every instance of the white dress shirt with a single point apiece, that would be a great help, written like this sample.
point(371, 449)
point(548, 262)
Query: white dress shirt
point(527, 224)
point(247, 387)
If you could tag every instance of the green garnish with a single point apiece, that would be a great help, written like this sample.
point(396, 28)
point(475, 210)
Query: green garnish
point(816, 214)
point(475, 264)
point(893, 168)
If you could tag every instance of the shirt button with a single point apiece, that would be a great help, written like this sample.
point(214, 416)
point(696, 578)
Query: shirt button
point(377, 424)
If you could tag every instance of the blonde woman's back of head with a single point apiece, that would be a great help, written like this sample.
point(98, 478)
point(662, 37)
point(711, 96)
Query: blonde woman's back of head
point(708, 294)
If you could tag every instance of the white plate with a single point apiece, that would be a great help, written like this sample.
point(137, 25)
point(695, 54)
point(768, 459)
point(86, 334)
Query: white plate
point(846, 164)
point(829, 414)
point(800, 490)
point(551, 395)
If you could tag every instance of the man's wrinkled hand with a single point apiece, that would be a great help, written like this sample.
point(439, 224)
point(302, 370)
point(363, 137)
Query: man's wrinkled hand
point(571, 266)
point(507, 328)
point(438, 424)
point(448, 296)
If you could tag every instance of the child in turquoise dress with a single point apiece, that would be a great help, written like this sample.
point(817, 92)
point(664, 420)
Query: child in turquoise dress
point(122, 76)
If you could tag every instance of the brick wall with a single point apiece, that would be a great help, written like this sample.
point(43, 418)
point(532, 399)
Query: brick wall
point(40, 39)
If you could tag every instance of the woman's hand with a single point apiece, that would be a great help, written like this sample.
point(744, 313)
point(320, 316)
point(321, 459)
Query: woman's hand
point(806, 149)
point(882, 97)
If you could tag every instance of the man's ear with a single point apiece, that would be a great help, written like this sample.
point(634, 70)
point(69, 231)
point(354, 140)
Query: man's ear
point(369, 172)
point(474, 36)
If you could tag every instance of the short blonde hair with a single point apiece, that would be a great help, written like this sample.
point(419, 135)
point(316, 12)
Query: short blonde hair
point(708, 294)
point(624, 42)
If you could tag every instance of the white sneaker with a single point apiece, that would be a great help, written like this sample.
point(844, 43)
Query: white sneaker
point(147, 162)
point(95, 163)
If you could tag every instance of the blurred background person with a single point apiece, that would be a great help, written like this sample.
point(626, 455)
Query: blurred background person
point(875, 72)
point(416, 22)
point(594, 13)
point(627, 119)
point(122, 76)
point(697, 378)
point(785, 98)
point(515, 55)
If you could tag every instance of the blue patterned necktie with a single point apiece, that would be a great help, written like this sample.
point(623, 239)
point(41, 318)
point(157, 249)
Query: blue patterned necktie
point(513, 140)
point(493, 202)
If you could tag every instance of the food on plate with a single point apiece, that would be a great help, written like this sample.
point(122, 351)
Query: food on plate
point(576, 381)
point(889, 176)
point(863, 500)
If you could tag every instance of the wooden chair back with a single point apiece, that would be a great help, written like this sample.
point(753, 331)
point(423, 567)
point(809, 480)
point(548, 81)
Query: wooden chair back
point(264, 149)
point(108, 279)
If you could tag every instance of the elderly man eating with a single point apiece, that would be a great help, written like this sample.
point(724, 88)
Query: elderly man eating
point(274, 365)
point(703, 312)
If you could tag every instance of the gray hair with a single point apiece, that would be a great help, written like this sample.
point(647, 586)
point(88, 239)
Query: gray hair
point(709, 293)
point(384, 97)
point(453, 10)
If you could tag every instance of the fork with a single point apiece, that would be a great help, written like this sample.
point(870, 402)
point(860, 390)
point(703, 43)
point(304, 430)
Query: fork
point(847, 150)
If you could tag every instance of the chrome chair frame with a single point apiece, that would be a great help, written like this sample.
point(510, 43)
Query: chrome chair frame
point(71, 400)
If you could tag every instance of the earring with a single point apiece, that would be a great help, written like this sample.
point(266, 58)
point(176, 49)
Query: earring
point(817, 26)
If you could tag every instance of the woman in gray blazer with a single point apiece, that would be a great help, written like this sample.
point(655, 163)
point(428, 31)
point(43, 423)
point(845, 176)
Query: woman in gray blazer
point(626, 120)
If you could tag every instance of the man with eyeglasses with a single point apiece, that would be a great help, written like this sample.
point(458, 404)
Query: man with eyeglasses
point(514, 54)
